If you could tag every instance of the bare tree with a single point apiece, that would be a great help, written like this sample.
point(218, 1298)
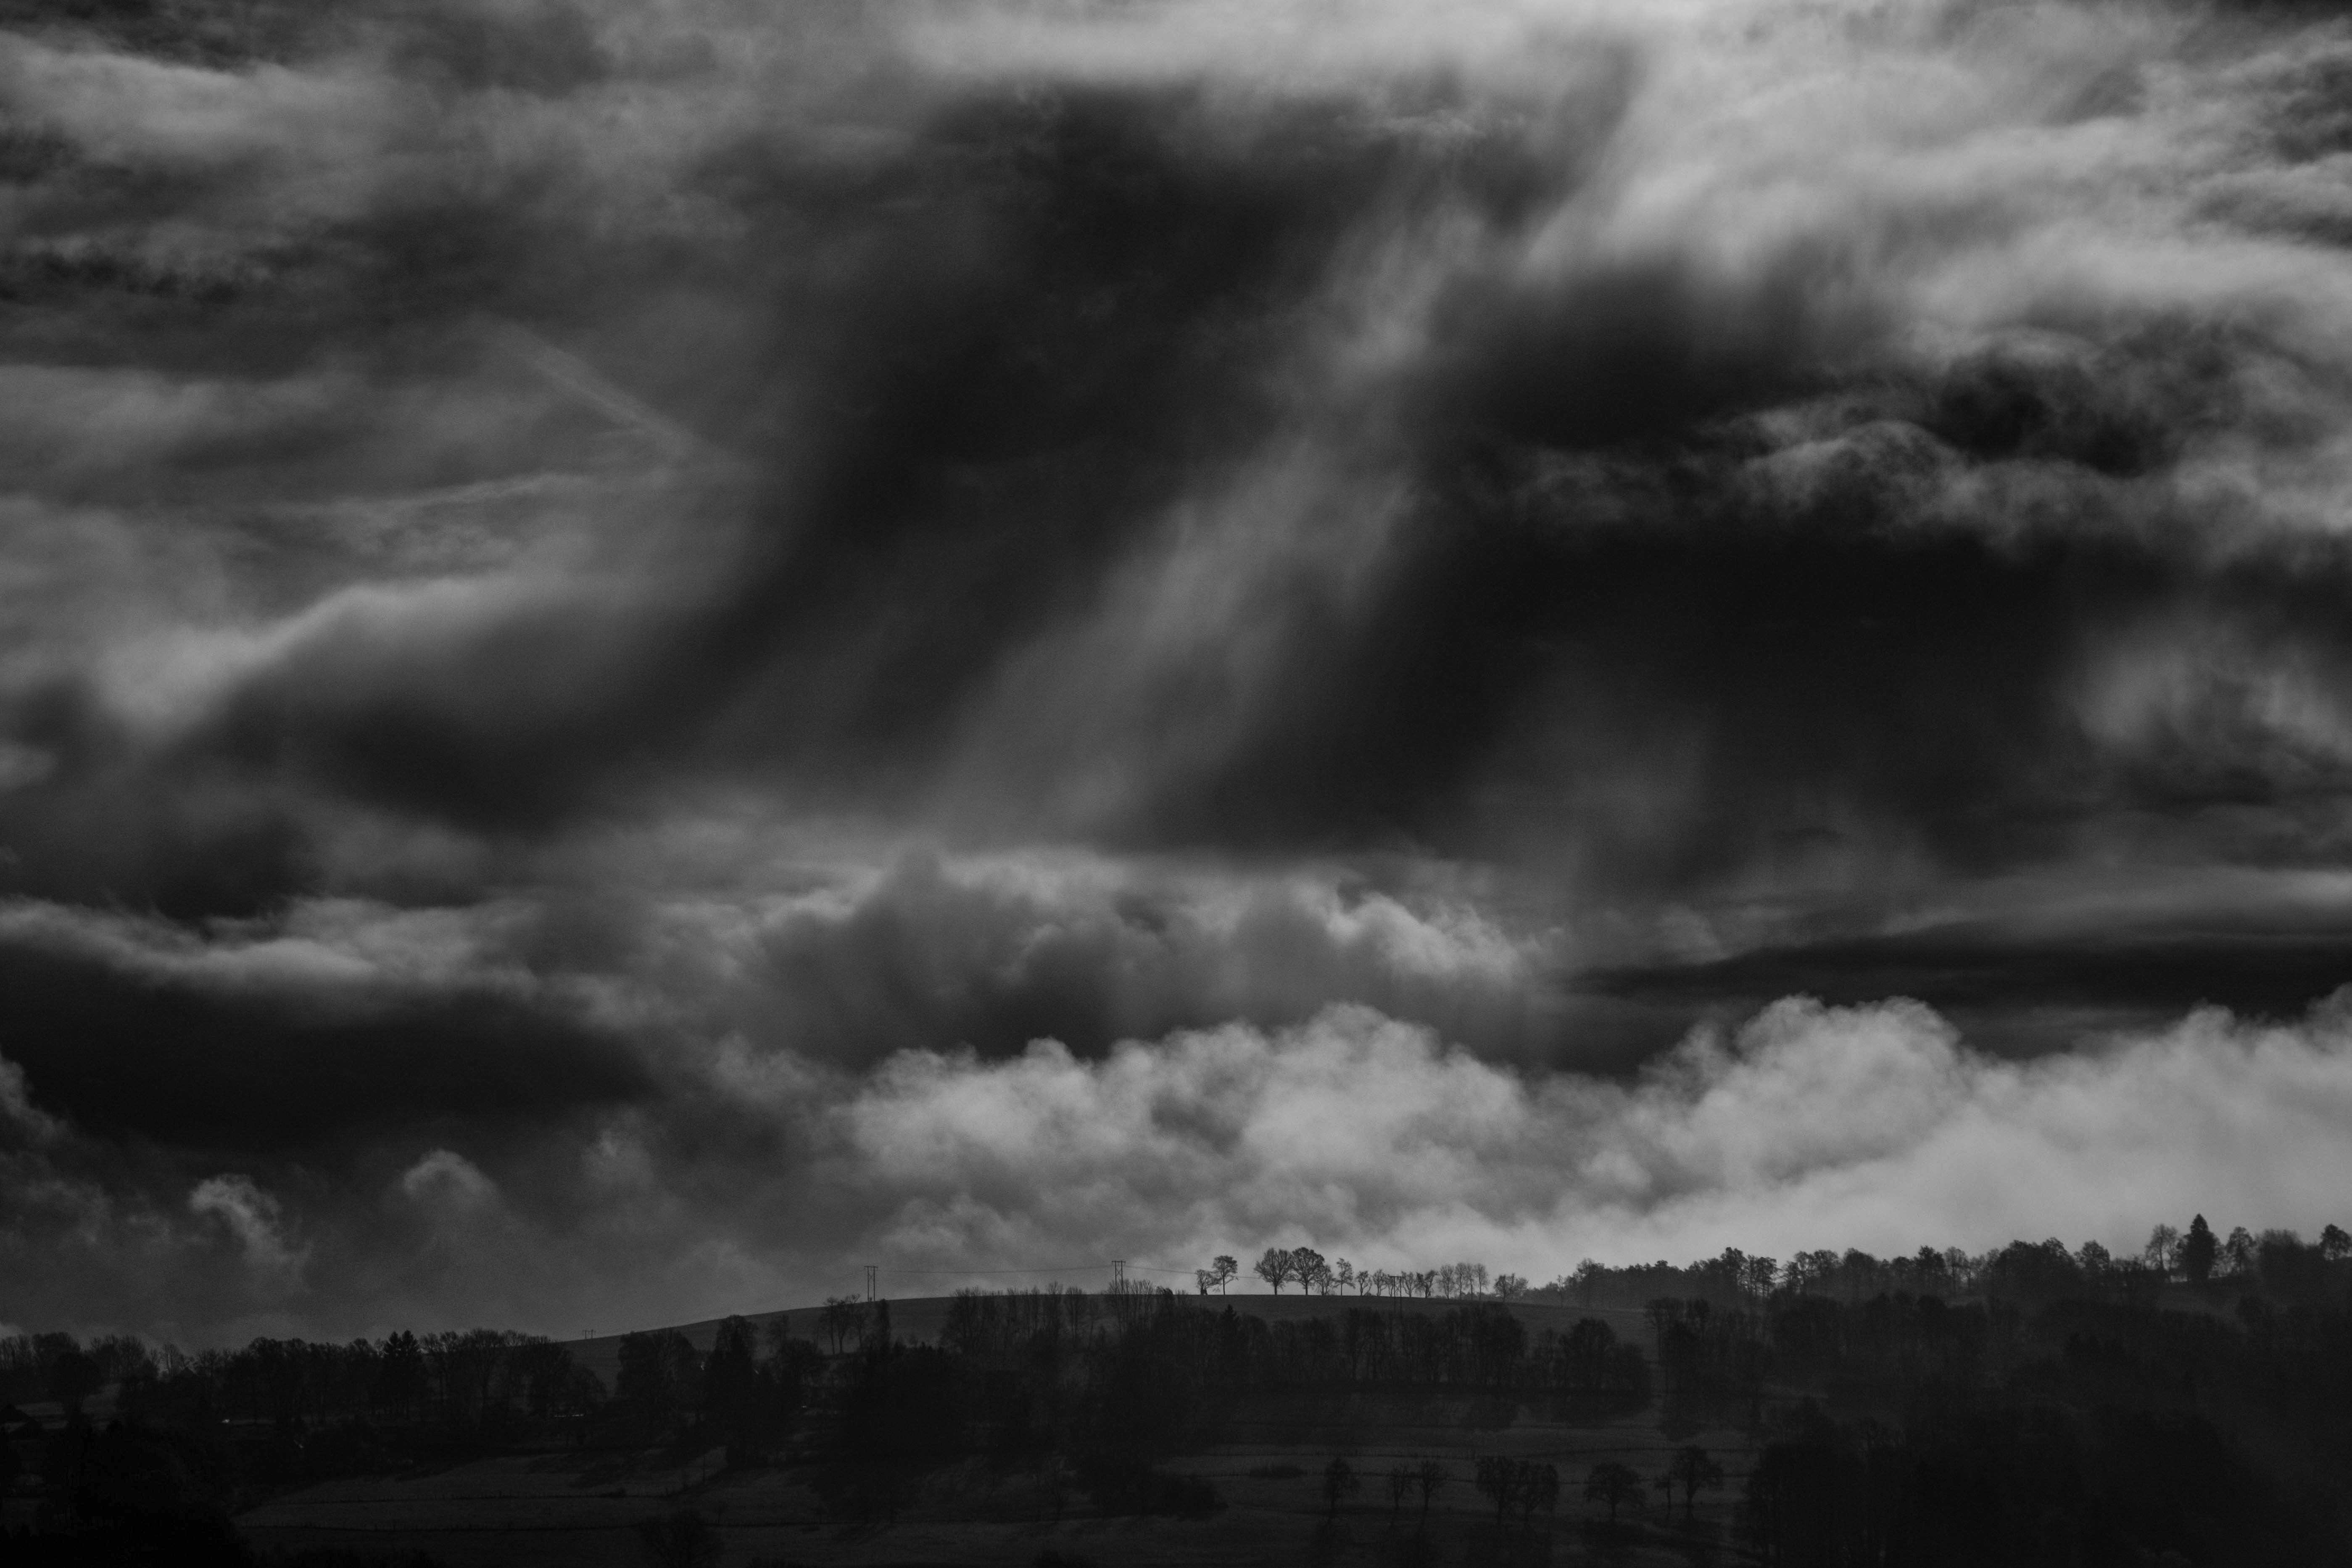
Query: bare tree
point(1307, 1267)
point(1224, 1268)
point(1542, 1492)
point(1430, 1478)
point(1500, 1479)
point(1691, 1468)
point(1274, 1267)
point(2240, 1250)
point(841, 1317)
point(1401, 1479)
point(1339, 1483)
point(1613, 1484)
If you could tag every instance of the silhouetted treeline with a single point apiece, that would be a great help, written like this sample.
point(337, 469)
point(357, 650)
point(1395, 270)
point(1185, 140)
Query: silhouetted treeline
point(1101, 1390)
point(2278, 1262)
point(2061, 1415)
point(743, 1394)
point(2025, 1405)
point(1476, 1347)
point(484, 1377)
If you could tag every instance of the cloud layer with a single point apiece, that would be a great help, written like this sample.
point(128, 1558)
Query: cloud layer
point(1810, 1126)
point(605, 611)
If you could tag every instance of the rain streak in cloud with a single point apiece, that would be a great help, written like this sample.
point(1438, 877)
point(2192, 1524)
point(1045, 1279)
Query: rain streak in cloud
point(747, 638)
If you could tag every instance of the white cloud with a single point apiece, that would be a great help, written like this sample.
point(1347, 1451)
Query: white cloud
point(449, 1182)
point(1811, 1126)
point(257, 1222)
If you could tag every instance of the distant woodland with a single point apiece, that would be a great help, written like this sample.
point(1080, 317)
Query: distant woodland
point(2030, 1405)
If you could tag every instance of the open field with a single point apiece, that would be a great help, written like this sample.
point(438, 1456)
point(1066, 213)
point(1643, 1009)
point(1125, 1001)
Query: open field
point(571, 1508)
point(583, 1507)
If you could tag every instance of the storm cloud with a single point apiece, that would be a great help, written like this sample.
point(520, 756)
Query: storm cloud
point(618, 624)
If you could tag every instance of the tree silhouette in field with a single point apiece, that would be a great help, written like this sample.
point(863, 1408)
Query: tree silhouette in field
point(1399, 1487)
point(1313, 1274)
point(841, 1319)
point(1222, 1270)
point(1338, 1485)
point(1541, 1491)
point(1498, 1478)
point(683, 1540)
point(1522, 1484)
point(1275, 1267)
point(2199, 1251)
point(1613, 1484)
point(1430, 1478)
point(1691, 1468)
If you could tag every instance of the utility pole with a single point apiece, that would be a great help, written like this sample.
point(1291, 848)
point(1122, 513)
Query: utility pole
point(1119, 1275)
point(869, 1281)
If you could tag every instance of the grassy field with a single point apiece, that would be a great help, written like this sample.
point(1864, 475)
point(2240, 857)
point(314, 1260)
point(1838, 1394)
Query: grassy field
point(584, 1508)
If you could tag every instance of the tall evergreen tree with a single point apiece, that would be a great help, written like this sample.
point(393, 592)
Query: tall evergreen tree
point(2198, 1249)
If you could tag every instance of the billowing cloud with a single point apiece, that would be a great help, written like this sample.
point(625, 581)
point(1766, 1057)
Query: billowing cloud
point(256, 1219)
point(605, 611)
point(1808, 1127)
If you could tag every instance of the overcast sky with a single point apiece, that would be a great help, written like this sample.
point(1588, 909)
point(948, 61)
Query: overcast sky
point(651, 651)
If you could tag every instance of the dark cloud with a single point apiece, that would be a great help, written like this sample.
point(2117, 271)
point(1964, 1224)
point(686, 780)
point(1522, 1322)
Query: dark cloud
point(992, 957)
point(589, 595)
point(2026, 994)
point(269, 1070)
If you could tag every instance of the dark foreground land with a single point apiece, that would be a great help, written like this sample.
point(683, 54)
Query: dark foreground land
point(2037, 1416)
